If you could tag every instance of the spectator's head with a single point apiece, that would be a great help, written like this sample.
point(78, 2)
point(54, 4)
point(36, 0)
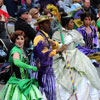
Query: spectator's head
point(23, 13)
point(1, 2)
point(48, 13)
point(86, 18)
point(74, 1)
point(29, 19)
point(28, 2)
point(86, 3)
point(34, 13)
point(67, 21)
point(44, 23)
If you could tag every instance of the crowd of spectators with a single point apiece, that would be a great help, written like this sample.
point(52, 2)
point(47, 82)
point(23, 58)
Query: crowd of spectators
point(35, 8)
point(39, 7)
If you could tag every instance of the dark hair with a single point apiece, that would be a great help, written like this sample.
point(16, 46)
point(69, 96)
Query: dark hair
point(16, 34)
point(98, 7)
point(84, 15)
point(65, 19)
point(83, 0)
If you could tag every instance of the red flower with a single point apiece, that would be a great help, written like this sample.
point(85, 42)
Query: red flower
point(37, 28)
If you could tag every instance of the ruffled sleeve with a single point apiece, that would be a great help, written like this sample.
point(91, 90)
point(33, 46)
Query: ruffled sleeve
point(77, 37)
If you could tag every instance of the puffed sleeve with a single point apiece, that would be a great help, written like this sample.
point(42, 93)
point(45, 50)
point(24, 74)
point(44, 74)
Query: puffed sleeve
point(77, 37)
point(68, 39)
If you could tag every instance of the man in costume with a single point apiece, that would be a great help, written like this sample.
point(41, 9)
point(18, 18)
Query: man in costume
point(44, 50)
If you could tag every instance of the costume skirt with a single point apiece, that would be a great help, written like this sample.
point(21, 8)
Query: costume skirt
point(20, 89)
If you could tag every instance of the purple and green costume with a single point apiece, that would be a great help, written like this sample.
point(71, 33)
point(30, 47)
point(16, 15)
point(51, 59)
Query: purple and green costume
point(46, 77)
point(91, 40)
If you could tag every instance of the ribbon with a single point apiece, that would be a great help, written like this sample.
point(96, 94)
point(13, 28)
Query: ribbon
point(23, 84)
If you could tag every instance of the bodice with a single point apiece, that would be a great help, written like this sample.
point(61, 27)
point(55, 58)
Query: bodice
point(71, 46)
point(17, 71)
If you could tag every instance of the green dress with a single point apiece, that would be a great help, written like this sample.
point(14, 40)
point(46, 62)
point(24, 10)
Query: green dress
point(19, 86)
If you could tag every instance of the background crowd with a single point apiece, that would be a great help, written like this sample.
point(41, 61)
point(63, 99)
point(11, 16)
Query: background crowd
point(37, 8)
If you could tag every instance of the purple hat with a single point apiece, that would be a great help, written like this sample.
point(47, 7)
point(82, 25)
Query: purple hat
point(21, 11)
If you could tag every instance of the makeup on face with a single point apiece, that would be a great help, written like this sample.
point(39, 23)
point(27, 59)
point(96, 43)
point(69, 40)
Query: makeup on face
point(87, 21)
point(70, 24)
point(20, 41)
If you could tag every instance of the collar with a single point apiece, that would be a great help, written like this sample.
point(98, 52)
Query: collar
point(66, 30)
point(46, 34)
point(84, 28)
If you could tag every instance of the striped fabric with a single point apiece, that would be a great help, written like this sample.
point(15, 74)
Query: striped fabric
point(48, 80)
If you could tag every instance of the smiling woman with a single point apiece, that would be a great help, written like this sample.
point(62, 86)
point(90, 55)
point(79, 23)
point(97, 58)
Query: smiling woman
point(89, 34)
point(19, 83)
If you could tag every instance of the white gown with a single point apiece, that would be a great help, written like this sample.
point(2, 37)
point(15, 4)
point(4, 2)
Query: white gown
point(84, 73)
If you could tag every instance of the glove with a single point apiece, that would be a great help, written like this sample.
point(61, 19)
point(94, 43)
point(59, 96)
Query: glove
point(20, 64)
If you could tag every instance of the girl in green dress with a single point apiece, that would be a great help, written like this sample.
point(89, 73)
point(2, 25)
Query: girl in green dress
point(19, 86)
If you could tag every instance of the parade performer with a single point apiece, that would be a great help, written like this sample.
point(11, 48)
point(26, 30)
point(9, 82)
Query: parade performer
point(44, 50)
point(89, 34)
point(85, 76)
point(19, 86)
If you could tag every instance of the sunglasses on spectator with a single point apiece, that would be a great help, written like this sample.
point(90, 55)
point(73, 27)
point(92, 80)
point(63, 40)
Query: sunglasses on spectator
point(26, 13)
point(36, 13)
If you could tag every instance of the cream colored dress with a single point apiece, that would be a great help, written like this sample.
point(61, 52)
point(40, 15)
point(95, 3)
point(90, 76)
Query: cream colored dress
point(84, 73)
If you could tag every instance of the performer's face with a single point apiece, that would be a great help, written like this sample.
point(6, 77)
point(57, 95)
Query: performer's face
point(70, 24)
point(46, 26)
point(20, 41)
point(87, 21)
